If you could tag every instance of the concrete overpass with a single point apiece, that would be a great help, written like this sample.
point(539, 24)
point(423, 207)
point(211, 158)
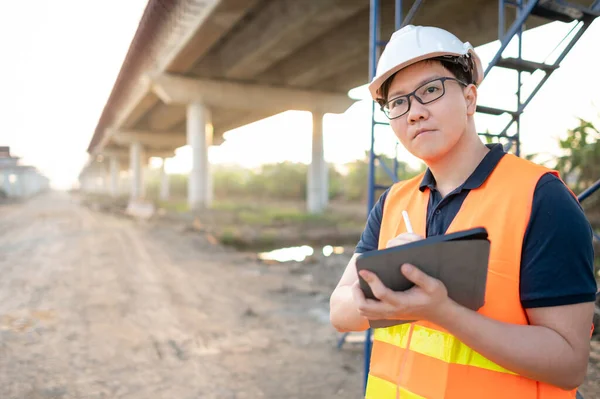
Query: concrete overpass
point(198, 68)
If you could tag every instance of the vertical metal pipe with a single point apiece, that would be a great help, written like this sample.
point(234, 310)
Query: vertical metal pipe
point(373, 40)
point(398, 15)
point(501, 21)
point(520, 54)
point(396, 163)
point(397, 24)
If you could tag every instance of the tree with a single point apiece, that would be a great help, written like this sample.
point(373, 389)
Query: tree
point(580, 166)
point(356, 180)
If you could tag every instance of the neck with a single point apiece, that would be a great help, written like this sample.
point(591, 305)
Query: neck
point(451, 170)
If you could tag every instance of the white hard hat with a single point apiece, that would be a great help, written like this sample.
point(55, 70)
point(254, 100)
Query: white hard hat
point(416, 43)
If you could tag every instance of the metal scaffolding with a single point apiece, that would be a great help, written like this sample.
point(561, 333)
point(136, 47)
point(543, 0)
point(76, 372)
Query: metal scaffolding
point(552, 10)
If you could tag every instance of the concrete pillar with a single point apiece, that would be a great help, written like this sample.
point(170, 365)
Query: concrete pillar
point(137, 171)
point(199, 138)
point(164, 182)
point(114, 175)
point(317, 189)
point(145, 174)
point(100, 184)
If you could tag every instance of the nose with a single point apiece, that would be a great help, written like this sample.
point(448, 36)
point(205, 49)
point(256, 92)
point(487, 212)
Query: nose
point(417, 112)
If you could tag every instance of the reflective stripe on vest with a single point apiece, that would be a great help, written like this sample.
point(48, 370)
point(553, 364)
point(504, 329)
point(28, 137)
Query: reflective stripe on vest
point(422, 360)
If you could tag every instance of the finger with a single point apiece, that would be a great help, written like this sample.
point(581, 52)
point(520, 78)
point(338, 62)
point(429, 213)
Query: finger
point(403, 238)
point(369, 308)
point(357, 294)
point(363, 303)
point(374, 309)
point(411, 236)
point(380, 291)
point(423, 280)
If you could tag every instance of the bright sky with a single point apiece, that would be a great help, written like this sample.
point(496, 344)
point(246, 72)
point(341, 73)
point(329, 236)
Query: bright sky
point(59, 61)
point(61, 58)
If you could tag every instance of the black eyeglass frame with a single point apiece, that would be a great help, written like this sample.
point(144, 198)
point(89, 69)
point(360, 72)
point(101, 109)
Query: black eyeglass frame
point(413, 94)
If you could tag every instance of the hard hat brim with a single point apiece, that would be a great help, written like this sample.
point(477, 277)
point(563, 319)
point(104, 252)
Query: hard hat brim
point(378, 81)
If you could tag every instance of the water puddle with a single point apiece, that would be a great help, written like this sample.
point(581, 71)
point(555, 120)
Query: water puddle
point(300, 253)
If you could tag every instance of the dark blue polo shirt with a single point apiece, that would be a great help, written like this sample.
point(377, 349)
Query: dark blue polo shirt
point(557, 262)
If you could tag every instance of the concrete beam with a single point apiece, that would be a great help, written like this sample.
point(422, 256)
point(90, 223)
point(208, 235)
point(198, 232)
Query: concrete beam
point(236, 120)
point(121, 153)
point(165, 116)
point(104, 143)
point(349, 76)
point(214, 21)
point(182, 90)
point(332, 51)
point(150, 139)
point(272, 33)
point(159, 154)
point(140, 108)
point(329, 55)
point(124, 153)
point(288, 39)
point(102, 136)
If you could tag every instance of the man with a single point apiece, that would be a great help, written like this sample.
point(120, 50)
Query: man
point(531, 338)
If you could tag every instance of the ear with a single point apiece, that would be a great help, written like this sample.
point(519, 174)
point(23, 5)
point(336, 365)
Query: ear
point(471, 99)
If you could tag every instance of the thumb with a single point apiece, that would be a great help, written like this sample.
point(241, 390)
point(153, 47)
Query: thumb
point(423, 280)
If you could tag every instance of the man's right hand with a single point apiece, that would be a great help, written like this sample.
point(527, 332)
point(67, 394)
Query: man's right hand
point(343, 313)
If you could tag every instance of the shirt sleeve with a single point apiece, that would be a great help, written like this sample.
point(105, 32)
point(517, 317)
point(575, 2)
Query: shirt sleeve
point(557, 262)
point(369, 239)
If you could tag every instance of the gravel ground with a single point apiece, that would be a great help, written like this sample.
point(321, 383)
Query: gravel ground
point(97, 306)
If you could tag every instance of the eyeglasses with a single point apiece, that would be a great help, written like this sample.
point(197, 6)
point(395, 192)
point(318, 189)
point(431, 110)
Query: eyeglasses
point(426, 93)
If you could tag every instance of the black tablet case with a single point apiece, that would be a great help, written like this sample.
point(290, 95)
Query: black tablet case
point(459, 260)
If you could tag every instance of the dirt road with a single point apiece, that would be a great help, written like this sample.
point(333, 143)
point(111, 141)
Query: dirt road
point(98, 306)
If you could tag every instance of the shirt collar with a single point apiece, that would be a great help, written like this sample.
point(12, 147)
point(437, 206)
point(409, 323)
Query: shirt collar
point(479, 175)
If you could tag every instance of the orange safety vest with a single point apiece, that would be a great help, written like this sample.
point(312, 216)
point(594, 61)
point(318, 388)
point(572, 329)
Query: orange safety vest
point(437, 365)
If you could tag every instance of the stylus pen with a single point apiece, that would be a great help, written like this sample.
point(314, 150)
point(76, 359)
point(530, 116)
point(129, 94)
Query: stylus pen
point(409, 228)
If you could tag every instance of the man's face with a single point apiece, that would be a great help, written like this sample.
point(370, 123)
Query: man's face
point(430, 131)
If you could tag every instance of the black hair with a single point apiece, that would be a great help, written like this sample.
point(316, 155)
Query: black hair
point(460, 67)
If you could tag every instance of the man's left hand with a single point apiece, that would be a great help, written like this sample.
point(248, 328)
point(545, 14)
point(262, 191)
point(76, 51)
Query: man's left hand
point(427, 300)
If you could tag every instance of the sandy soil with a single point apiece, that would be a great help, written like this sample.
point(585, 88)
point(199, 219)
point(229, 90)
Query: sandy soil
point(94, 305)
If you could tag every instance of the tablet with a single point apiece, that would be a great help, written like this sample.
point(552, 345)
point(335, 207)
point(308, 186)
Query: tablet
point(476, 233)
point(459, 260)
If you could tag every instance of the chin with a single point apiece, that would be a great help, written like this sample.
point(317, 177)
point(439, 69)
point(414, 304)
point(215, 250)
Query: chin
point(430, 151)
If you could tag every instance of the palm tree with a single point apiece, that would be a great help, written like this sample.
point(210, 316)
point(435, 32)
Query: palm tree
point(580, 165)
